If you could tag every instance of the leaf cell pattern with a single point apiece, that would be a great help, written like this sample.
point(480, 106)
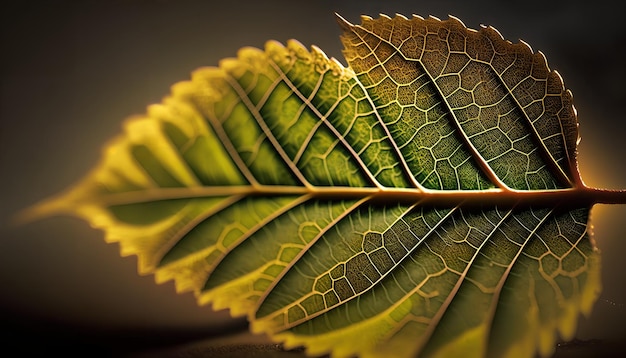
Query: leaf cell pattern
point(456, 97)
point(266, 186)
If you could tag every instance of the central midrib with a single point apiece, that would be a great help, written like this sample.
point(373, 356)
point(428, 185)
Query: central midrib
point(497, 196)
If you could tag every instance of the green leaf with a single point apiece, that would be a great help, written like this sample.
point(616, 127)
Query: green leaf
point(424, 200)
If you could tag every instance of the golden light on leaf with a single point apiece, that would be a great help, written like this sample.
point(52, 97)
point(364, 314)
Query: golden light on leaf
point(423, 200)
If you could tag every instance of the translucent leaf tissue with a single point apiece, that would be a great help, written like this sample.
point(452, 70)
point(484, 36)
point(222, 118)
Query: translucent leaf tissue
point(423, 201)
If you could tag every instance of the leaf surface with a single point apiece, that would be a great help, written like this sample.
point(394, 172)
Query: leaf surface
point(419, 201)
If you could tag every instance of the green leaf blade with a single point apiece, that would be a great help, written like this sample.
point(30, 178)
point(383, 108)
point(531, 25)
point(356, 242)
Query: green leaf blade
point(399, 203)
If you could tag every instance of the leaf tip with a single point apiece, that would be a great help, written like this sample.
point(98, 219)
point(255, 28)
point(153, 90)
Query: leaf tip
point(298, 49)
point(457, 20)
point(560, 79)
point(318, 52)
point(401, 16)
point(46, 208)
point(273, 45)
point(527, 45)
point(495, 31)
point(343, 23)
point(434, 18)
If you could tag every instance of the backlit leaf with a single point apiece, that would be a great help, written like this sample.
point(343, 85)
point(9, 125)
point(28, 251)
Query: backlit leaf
point(423, 200)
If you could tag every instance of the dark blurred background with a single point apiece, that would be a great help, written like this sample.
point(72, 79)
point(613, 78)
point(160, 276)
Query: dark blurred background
point(72, 71)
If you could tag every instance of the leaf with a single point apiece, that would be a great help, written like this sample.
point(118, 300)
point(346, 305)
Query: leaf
point(424, 200)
